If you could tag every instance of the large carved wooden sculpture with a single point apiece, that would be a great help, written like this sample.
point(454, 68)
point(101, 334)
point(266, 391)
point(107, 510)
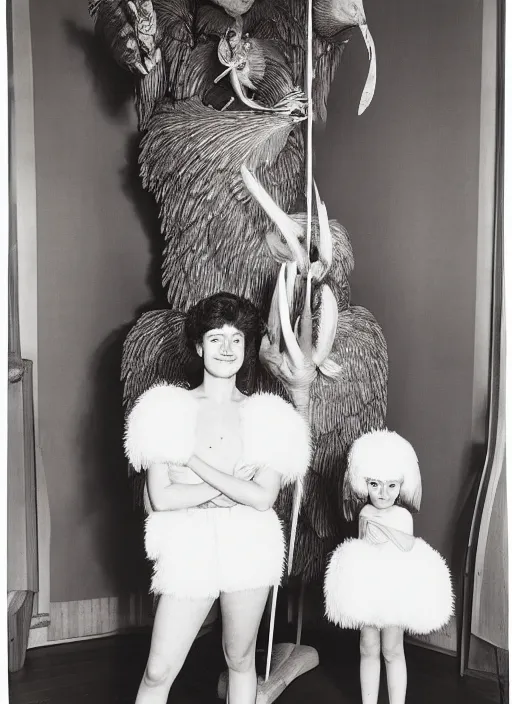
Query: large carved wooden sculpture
point(225, 94)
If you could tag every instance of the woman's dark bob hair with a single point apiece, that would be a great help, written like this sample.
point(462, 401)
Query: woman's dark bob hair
point(215, 312)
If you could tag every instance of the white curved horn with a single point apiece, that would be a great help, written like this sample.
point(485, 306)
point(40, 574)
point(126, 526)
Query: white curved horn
point(327, 326)
point(274, 322)
point(291, 344)
point(325, 236)
point(306, 325)
point(291, 230)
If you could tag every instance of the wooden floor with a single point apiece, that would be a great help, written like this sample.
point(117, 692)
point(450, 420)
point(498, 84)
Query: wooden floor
point(107, 671)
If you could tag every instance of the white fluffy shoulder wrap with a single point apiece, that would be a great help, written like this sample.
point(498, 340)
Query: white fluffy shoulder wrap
point(161, 427)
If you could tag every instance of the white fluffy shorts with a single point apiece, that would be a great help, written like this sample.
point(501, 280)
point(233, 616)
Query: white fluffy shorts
point(201, 552)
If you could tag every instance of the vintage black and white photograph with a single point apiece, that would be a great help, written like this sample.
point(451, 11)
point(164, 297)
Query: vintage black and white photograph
point(256, 352)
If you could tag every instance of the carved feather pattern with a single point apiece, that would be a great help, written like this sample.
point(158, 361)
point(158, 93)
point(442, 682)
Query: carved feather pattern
point(112, 25)
point(215, 233)
point(190, 159)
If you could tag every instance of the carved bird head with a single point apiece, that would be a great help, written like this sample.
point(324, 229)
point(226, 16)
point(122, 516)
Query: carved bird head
point(243, 56)
point(245, 61)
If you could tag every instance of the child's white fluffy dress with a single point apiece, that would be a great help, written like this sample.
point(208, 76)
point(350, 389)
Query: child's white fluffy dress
point(382, 583)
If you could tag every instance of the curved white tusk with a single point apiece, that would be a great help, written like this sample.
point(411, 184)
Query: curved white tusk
point(274, 322)
point(224, 73)
point(369, 86)
point(327, 326)
point(291, 344)
point(291, 275)
point(325, 236)
point(296, 328)
point(290, 229)
point(306, 327)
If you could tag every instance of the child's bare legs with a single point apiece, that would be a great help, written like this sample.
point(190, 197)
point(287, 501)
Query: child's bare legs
point(369, 646)
point(177, 622)
point(396, 669)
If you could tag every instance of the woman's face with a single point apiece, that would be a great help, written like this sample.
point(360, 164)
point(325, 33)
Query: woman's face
point(222, 351)
point(383, 494)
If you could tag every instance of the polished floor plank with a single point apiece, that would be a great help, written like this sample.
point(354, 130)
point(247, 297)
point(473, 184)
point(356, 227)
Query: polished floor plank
point(107, 671)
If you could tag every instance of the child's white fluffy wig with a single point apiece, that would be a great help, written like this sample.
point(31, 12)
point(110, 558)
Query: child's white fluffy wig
point(382, 455)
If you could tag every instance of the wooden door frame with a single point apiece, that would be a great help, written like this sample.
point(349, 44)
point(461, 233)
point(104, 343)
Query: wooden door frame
point(22, 192)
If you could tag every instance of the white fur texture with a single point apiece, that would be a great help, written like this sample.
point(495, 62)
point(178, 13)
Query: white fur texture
point(161, 427)
point(385, 455)
point(380, 585)
point(275, 435)
point(199, 553)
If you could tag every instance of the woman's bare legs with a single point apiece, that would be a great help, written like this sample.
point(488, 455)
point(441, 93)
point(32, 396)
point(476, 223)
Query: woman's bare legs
point(241, 618)
point(369, 646)
point(396, 669)
point(177, 622)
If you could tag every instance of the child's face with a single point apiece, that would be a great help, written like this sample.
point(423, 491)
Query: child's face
point(383, 494)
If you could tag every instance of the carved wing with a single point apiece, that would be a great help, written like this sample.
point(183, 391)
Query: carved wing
point(341, 411)
point(154, 350)
point(112, 25)
point(175, 39)
point(191, 158)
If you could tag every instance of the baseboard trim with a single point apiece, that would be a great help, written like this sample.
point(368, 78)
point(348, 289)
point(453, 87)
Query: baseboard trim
point(443, 641)
point(71, 621)
point(76, 620)
point(430, 646)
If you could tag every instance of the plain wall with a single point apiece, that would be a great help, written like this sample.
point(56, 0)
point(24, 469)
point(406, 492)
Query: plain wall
point(403, 179)
point(93, 269)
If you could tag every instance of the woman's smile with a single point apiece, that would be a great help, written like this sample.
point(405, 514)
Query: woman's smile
point(223, 350)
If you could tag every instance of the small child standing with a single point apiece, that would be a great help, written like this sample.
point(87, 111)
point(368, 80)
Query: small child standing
point(386, 581)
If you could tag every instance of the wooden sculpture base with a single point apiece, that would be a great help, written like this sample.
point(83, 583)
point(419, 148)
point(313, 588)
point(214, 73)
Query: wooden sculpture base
point(289, 661)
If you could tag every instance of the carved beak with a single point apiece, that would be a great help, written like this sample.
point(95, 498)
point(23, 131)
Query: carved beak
point(324, 262)
point(369, 87)
point(290, 229)
point(239, 90)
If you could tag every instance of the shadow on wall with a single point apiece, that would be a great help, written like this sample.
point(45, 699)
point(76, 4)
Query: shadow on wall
point(106, 490)
point(114, 87)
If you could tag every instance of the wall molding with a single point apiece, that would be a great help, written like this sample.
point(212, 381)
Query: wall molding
point(22, 188)
point(444, 641)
